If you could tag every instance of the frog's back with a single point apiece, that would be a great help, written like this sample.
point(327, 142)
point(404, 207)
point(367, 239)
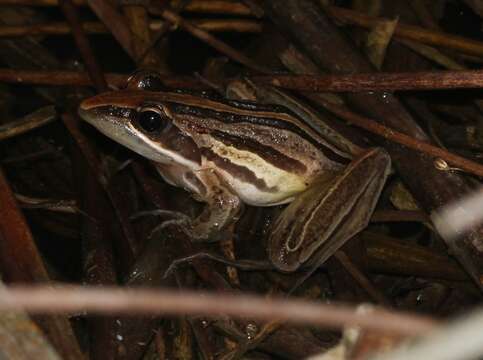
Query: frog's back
point(266, 153)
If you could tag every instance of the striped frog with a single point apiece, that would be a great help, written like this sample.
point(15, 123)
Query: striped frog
point(228, 153)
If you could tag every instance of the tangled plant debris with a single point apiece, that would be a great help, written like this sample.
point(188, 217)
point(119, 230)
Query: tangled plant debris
point(322, 184)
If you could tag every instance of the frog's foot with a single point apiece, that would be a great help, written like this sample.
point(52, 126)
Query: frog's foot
point(246, 265)
point(162, 213)
point(172, 218)
point(196, 229)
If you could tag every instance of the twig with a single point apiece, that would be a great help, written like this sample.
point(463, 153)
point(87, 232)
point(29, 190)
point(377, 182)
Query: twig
point(400, 138)
point(20, 261)
point(91, 157)
point(218, 7)
point(34, 156)
point(93, 68)
point(115, 22)
point(387, 255)
point(76, 78)
point(361, 279)
point(377, 81)
point(214, 42)
point(63, 206)
point(461, 339)
point(457, 218)
point(32, 121)
point(95, 27)
point(112, 300)
point(416, 33)
point(164, 28)
point(197, 6)
point(399, 216)
point(310, 83)
point(225, 25)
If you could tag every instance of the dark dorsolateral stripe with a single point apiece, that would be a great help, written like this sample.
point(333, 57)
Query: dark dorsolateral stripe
point(267, 153)
point(233, 118)
point(240, 172)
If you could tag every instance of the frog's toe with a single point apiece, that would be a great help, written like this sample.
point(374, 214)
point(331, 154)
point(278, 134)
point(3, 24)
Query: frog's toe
point(159, 212)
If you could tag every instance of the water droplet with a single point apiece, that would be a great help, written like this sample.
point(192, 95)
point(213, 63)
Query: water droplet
point(419, 298)
point(441, 164)
point(385, 97)
point(251, 330)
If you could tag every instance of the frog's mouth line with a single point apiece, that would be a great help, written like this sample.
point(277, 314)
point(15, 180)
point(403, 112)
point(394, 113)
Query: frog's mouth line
point(122, 131)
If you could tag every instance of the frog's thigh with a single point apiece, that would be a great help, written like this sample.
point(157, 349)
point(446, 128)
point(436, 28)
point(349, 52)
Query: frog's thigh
point(329, 213)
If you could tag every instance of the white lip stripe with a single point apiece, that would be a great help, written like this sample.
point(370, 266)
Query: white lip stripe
point(160, 153)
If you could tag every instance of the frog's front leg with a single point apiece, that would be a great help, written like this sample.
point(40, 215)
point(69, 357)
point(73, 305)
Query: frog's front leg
point(330, 212)
point(222, 206)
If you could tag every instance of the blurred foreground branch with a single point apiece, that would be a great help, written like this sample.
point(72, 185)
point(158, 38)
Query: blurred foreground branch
point(68, 299)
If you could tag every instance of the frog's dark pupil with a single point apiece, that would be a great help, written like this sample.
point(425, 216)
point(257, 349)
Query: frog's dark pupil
point(150, 120)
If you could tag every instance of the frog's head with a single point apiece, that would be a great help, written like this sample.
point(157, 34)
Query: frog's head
point(142, 121)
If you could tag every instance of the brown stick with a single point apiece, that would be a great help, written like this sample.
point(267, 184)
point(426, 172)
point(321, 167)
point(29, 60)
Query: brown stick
point(115, 22)
point(111, 300)
point(316, 83)
point(93, 67)
point(94, 27)
point(198, 6)
point(387, 255)
point(214, 42)
point(222, 25)
point(377, 81)
point(75, 78)
point(32, 121)
point(416, 33)
point(20, 261)
point(400, 138)
point(218, 7)
point(399, 216)
point(361, 279)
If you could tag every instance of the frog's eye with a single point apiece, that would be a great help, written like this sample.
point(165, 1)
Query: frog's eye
point(152, 119)
point(147, 80)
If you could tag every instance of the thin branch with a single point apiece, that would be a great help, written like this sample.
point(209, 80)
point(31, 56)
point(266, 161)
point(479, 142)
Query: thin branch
point(232, 53)
point(62, 206)
point(83, 44)
point(76, 78)
point(112, 300)
point(361, 279)
point(20, 261)
point(198, 6)
point(218, 7)
point(399, 216)
point(94, 27)
point(416, 33)
point(32, 121)
point(432, 80)
point(371, 125)
point(461, 339)
point(115, 22)
point(311, 83)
